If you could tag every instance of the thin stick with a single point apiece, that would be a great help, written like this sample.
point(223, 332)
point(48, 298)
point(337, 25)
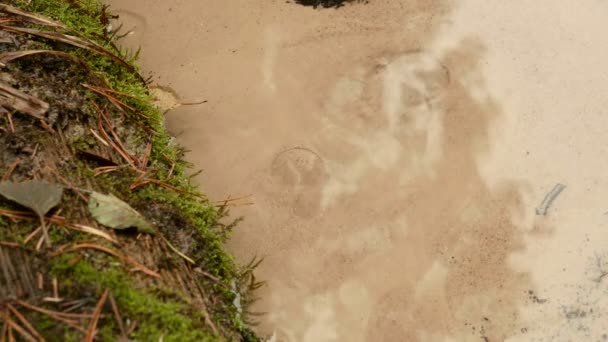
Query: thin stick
point(549, 198)
point(109, 90)
point(206, 274)
point(10, 170)
point(9, 244)
point(146, 158)
point(101, 116)
point(101, 140)
point(26, 215)
point(91, 331)
point(35, 151)
point(117, 138)
point(163, 184)
point(184, 256)
point(11, 338)
point(40, 281)
point(105, 169)
point(51, 312)
point(39, 244)
point(114, 146)
point(231, 199)
point(20, 330)
point(117, 317)
point(92, 231)
point(55, 288)
point(106, 250)
point(47, 127)
point(131, 328)
point(25, 322)
point(9, 116)
point(32, 234)
point(171, 170)
point(101, 91)
point(4, 331)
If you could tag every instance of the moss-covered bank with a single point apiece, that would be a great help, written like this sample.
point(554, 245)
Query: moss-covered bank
point(101, 133)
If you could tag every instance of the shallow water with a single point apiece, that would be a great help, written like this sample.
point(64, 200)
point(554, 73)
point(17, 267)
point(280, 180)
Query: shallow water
point(396, 153)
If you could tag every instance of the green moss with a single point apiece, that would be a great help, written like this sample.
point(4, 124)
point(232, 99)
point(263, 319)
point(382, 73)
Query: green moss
point(173, 320)
point(170, 320)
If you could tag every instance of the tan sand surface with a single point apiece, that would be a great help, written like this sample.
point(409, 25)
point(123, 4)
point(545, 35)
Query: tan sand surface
point(396, 153)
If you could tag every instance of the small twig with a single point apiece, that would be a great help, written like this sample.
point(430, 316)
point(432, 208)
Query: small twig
point(55, 287)
point(51, 312)
point(32, 234)
point(40, 241)
point(92, 231)
point(172, 165)
point(195, 174)
point(163, 184)
point(101, 140)
point(207, 274)
point(11, 168)
point(121, 325)
point(193, 103)
point(146, 157)
point(25, 322)
point(26, 215)
point(91, 331)
point(40, 280)
point(35, 151)
point(171, 170)
point(106, 250)
point(108, 90)
point(184, 256)
point(549, 198)
point(105, 169)
point(52, 300)
point(47, 127)
point(107, 138)
point(232, 199)
point(116, 102)
point(4, 331)
point(131, 328)
point(9, 117)
point(9, 244)
point(117, 139)
point(19, 329)
point(75, 259)
point(203, 307)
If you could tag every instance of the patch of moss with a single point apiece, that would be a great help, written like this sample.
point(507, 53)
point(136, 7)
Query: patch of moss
point(173, 319)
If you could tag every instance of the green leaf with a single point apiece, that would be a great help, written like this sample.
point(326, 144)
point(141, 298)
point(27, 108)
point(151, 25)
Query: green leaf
point(39, 196)
point(114, 213)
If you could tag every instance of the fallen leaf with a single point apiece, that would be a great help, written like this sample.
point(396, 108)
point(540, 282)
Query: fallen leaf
point(114, 213)
point(38, 196)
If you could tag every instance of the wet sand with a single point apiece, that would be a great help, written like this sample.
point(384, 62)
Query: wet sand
point(396, 153)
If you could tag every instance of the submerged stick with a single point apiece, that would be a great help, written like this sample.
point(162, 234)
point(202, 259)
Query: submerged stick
point(549, 198)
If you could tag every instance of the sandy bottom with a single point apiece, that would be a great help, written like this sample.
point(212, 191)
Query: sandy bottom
point(397, 154)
